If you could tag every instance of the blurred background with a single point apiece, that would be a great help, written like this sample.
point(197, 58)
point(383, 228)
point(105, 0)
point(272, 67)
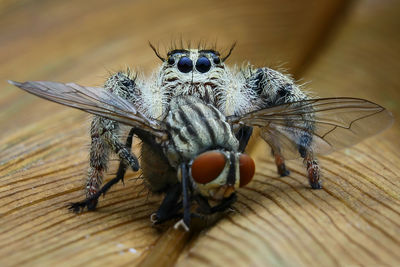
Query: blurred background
point(342, 41)
point(335, 47)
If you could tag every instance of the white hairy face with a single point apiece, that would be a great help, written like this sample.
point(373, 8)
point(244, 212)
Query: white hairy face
point(193, 72)
point(196, 72)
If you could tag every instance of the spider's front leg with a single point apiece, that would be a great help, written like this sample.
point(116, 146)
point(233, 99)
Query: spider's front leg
point(274, 88)
point(105, 138)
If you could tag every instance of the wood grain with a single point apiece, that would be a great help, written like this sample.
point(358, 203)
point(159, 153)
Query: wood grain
point(346, 50)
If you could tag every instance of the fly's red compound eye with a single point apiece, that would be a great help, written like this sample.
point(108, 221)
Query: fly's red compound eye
point(208, 166)
point(247, 169)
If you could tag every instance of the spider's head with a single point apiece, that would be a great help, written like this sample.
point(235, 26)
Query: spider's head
point(193, 71)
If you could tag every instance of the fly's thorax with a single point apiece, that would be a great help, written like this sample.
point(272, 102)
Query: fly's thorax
point(196, 127)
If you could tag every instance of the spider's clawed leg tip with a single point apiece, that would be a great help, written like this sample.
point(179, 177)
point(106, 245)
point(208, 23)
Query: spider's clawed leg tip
point(282, 170)
point(284, 173)
point(316, 185)
point(75, 208)
point(78, 207)
point(91, 204)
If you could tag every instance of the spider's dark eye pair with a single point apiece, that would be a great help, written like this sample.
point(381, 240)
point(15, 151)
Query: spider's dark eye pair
point(185, 64)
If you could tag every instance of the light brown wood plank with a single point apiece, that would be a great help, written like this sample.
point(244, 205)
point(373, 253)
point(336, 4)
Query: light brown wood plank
point(43, 147)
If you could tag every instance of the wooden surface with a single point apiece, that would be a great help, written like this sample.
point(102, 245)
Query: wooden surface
point(343, 48)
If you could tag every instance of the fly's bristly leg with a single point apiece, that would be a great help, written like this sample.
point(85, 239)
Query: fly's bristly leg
point(104, 134)
point(205, 208)
point(225, 204)
point(169, 207)
point(208, 214)
point(121, 168)
point(185, 222)
point(185, 195)
point(91, 201)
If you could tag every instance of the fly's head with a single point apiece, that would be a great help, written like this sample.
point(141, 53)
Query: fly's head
point(216, 174)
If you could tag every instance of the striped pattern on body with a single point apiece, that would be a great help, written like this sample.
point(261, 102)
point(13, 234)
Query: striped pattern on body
point(196, 127)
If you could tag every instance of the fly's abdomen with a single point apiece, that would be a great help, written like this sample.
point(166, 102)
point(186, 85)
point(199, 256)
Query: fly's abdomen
point(157, 172)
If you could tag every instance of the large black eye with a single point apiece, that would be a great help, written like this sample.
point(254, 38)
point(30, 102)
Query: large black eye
point(203, 64)
point(185, 64)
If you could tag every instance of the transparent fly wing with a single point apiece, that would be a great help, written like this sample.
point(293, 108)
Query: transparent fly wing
point(93, 100)
point(324, 125)
point(285, 143)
